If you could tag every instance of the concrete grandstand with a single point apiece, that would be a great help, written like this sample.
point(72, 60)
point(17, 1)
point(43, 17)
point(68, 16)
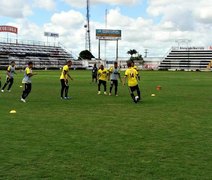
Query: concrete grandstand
point(188, 59)
point(41, 54)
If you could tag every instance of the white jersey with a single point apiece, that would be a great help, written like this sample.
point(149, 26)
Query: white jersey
point(114, 73)
point(27, 78)
point(11, 71)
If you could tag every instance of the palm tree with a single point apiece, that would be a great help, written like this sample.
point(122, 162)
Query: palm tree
point(132, 52)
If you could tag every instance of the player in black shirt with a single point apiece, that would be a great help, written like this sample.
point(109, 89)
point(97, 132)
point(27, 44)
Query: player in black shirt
point(94, 73)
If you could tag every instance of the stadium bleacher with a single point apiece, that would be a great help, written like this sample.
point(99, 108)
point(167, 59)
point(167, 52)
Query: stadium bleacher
point(187, 59)
point(41, 55)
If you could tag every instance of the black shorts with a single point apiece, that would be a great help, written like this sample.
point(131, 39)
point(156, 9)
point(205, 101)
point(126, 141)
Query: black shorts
point(134, 88)
point(94, 76)
point(114, 82)
point(64, 83)
point(102, 82)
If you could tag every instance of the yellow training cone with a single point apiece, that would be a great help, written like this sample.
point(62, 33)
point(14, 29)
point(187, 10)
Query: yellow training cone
point(12, 111)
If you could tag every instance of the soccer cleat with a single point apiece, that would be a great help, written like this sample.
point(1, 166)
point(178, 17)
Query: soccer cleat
point(110, 94)
point(2, 90)
point(117, 95)
point(105, 93)
point(99, 92)
point(23, 100)
point(67, 98)
point(9, 90)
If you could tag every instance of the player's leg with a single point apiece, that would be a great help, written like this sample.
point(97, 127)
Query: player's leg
point(116, 87)
point(27, 90)
point(111, 87)
point(99, 86)
point(132, 89)
point(105, 87)
point(24, 94)
point(96, 78)
point(66, 91)
point(62, 81)
point(92, 77)
point(5, 84)
point(138, 92)
point(10, 84)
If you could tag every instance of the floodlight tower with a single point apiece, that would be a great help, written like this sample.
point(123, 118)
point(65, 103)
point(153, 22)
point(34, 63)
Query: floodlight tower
point(87, 26)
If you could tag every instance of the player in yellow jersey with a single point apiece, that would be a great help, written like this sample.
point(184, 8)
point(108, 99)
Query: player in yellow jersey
point(132, 76)
point(102, 77)
point(64, 80)
point(10, 77)
point(27, 81)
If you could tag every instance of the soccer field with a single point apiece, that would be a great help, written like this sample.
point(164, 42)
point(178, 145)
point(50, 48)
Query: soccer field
point(106, 137)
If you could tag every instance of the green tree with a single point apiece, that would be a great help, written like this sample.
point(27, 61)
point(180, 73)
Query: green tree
point(131, 52)
point(137, 58)
point(86, 55)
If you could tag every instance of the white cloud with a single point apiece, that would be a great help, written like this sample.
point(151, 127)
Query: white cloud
point(203, 13)
point(178, 19)
point(71, 19)
point(45, 4)
point(82, 3)
point(14, 9)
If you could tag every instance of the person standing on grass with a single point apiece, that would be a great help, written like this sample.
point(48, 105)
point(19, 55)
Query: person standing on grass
point(102, 77)
point(114, 76)
point(27, 81)
point(94, 73)
point(132, 76)
point(9, 77)
point(64, 80)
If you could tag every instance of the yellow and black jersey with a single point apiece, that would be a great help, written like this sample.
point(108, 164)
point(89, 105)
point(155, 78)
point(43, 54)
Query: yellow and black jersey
point(103, 74)
point(63, 74)
point(131, 75)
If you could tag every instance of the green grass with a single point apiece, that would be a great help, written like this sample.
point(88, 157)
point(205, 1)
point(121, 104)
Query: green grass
point(101, 137)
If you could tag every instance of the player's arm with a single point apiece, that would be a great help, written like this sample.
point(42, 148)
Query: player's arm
point(98, 75)
point(108, 74)
point(31, 74)
point(70, 77)
point(124, 79)
point(64, 74)
point(8, 71)
point(138, 76)
point(120, 77)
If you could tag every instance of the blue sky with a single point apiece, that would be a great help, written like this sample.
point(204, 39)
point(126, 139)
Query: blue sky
point(97, 12)
point(145, 24)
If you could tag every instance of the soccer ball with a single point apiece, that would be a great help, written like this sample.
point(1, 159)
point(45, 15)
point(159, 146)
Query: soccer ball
point(136, 98)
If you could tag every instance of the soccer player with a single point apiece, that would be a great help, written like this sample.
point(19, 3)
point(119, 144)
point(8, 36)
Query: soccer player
point(102, 77)
point(131, 75)
point(114, 76)
point(27, 81)
point(9, 77)
point(94, 73)
point(64, 80)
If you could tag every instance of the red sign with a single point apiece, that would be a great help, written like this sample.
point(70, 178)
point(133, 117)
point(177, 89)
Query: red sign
point(10, 29)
